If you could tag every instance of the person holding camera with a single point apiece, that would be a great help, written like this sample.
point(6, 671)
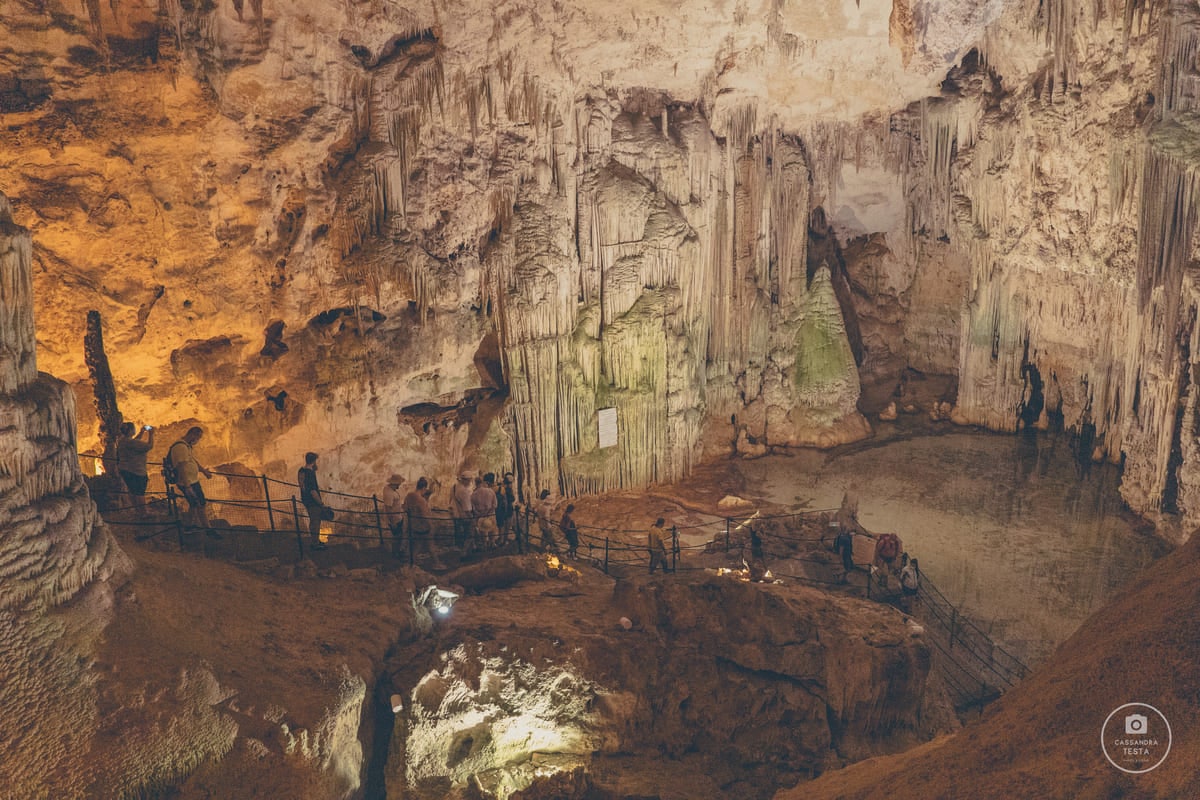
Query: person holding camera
point(131, 463)
point(310, 497)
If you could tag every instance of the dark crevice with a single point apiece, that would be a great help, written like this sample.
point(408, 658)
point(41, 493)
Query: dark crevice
point(1170, 498)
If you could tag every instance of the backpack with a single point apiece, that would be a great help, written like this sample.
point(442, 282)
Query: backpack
point(888, 547)
point(169, 471)
point(842, 542)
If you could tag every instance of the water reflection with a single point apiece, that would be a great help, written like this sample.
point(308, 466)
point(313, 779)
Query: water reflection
point(1015, 528)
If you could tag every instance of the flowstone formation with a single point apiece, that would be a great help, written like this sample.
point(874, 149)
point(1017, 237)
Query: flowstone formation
point(692, 686)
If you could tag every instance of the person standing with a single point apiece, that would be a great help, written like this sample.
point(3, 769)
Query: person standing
point(910, 576)
point(460, 510)
point(658, 548)
point(393, 512)
point(484, 505)
point(131, 463)
point(310, 497)
point(545, 517)
point(506, 507)
point(418, 515)
point(758, 558)
point(570, 531)
point(843, 545)
point(188, 471)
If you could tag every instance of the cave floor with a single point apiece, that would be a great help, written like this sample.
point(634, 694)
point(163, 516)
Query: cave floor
point(1008, 529)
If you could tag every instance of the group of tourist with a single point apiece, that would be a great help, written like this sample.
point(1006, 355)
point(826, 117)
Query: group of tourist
point(889, 558)
point(483, 512)
point(180, 469)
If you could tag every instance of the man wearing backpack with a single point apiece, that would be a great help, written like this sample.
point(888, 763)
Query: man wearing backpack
point(187, 471)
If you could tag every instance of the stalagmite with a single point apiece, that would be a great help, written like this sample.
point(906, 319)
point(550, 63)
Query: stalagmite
point(102, 386)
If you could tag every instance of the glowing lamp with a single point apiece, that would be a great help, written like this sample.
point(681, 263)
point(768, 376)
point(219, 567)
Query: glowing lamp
point(438, 601)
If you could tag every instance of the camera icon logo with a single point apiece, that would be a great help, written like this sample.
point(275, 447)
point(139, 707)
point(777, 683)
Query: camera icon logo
point(1136, 724)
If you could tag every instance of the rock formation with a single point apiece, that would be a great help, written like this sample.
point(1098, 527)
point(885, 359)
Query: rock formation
point(100, 701)
point(57, 560)
point(739, 688)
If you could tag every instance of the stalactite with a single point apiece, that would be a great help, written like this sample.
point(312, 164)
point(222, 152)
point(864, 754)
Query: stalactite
point(1179, 49)
point(18, 345)
point(1168, 213)
point(789, 221)
point(1124, 177)
point(1060, 17)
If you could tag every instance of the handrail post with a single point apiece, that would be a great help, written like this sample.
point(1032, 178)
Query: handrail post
point(378, 519)
point(296, 519)
point(179, 531)
point(605, 555)
point(267, 496)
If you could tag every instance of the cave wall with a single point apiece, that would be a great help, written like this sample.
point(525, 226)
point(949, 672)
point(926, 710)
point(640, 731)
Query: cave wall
point(352, 206)
point(368, 189)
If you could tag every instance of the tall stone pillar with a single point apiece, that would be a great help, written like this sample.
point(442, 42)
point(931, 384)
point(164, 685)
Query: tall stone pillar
point(18, 360)
point(56, 559)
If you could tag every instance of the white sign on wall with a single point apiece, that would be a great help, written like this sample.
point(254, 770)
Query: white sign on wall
point(607, 421)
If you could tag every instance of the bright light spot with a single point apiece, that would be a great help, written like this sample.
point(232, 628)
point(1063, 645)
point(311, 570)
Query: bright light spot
point(99, 467)
point(435, 599)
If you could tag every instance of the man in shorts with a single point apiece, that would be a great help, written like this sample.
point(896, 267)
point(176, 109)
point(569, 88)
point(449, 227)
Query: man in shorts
point(189, 470)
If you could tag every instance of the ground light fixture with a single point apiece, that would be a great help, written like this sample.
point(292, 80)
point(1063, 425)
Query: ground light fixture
point(438, 601)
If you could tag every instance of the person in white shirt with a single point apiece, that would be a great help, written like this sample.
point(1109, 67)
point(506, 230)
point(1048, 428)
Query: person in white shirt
point(910, 576)
point(392, 508)
point(483, 505)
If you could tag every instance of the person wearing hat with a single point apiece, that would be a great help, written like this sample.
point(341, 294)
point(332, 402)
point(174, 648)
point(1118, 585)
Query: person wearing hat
point(392, 509)
point(461, 509)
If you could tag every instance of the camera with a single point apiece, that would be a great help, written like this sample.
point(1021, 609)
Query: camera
point(1135, 725)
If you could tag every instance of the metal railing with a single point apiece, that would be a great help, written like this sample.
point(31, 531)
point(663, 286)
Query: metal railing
point(262, 519)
